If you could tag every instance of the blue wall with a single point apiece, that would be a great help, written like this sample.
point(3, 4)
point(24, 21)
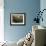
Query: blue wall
point(30, 7)
point(43, 6)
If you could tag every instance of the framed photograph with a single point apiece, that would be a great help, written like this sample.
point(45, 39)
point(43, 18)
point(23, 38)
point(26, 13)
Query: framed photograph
point(17, 19)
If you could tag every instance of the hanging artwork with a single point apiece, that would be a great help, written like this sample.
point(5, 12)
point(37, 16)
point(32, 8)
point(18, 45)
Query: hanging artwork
point(17, 19)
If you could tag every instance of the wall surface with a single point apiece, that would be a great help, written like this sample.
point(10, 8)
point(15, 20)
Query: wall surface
point(30, 7)
point(43, 6)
